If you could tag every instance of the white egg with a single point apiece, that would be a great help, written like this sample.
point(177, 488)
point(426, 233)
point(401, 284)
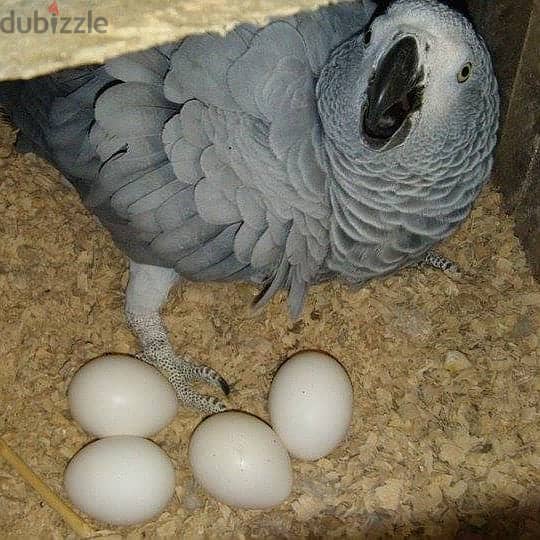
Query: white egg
point(310, 404)
point(240, 461)
point(120, 480)
point(120, 395)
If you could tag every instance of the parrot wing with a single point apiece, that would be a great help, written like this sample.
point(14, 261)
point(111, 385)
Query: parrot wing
point(204, 155)
point(211, 153)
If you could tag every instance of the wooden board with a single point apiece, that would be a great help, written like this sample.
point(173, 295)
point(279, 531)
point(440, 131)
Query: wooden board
point(129, 25)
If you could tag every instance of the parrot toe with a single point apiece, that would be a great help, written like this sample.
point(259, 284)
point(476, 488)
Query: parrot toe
point(182, 373)
point(433, 259)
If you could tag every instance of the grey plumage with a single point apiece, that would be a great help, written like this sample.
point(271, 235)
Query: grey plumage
point(248, 156)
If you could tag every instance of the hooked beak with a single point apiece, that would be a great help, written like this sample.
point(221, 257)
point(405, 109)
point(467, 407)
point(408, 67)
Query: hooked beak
point(394, 91)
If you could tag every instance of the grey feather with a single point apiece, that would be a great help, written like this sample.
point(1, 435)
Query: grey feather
point(176, 209)
point(208, 254)
point(270, 47)
point(176, 243)
point(148, 66)
point(206, 59)
point(244, 242)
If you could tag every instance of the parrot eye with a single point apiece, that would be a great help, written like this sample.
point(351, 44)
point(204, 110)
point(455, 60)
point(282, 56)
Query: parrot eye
point(367, 37)
point(465, 72)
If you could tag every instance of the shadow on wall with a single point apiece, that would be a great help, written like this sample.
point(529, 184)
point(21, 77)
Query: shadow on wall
point(510, 28)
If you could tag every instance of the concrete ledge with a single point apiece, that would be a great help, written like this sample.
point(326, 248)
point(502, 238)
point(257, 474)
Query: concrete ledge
point(113, 27)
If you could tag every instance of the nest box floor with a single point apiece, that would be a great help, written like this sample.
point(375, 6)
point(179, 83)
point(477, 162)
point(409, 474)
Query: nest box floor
point(444, 439)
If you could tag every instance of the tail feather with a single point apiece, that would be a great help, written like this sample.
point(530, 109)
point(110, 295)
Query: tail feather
point(54, 114)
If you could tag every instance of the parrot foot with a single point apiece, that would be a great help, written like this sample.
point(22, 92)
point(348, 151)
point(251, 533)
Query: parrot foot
point(146, 293)
point(180, 372)
point(432, 258)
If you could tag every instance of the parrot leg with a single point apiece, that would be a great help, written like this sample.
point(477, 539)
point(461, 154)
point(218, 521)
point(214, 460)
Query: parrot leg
point(432, 258)
point(146, 293)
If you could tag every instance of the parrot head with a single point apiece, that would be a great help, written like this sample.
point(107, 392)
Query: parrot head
point(409, 114)
point(418, 72)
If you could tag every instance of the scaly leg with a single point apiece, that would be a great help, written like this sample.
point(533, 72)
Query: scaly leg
point(432, 258)
point(146, 293)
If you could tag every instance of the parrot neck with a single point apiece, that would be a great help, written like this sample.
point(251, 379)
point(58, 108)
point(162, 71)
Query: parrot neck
point(386, 215)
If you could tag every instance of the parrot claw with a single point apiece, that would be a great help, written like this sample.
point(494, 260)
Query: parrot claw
point(180, 372)
point(433, 259)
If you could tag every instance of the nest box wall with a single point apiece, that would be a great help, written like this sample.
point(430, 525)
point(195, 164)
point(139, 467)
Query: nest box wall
point(510, 28)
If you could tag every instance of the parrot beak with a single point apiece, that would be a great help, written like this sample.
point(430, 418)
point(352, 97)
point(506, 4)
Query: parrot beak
point(394, 91)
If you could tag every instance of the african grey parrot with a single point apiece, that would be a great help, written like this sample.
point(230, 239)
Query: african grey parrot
point(326, 144)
